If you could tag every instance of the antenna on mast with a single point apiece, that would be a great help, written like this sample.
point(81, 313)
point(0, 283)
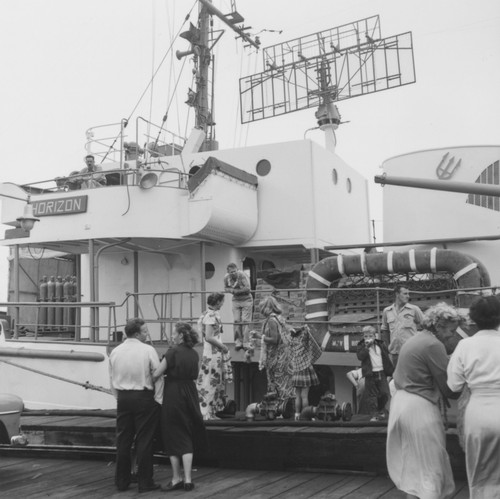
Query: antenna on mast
point(202, 39)
point(318, 70)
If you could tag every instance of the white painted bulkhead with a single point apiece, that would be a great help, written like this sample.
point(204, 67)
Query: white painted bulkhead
point(412, 214)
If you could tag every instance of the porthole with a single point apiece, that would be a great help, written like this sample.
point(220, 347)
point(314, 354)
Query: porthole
point(349, 185)
point(194, 170)
point(209, 270)
point(335, 176)
point(263, 167)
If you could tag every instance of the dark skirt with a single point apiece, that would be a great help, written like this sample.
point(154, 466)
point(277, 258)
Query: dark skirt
point(183, 430)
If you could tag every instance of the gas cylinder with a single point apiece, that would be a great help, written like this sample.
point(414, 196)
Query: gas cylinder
point(42, 289)
point(74, 296)
point(51, 288)
point(59, 298)
point(51, 291)
point(42, 316)
point(67, 292)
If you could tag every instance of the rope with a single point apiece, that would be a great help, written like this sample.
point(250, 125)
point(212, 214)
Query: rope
point(86, 385)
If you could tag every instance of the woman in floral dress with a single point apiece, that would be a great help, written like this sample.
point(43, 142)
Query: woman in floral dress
point(215, 370)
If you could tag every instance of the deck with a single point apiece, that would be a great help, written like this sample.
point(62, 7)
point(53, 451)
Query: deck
point(280, 445)
point(37, 477)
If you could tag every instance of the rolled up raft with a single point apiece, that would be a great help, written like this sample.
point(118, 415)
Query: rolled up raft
point(467, 271)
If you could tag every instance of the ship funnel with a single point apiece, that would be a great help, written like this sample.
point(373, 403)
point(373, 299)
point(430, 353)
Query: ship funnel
point(148, 180)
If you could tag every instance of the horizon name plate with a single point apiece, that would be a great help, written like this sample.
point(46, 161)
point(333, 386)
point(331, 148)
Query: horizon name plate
point(64, 206)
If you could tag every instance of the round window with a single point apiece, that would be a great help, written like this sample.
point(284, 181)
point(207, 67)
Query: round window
point(209, 270)
point(193, 170)
point(335, 176)
point(263, 167)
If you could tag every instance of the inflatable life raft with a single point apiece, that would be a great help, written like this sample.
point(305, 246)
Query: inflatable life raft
point(467, 271)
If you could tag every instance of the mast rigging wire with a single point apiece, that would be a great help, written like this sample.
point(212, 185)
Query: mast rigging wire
point(151, 80)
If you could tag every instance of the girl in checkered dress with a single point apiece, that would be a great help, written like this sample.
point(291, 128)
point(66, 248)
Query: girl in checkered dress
point(304, 352)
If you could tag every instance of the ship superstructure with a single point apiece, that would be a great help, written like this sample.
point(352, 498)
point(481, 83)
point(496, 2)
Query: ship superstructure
point(175, 211)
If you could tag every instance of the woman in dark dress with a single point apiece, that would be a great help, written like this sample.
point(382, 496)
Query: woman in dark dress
point(182, 425)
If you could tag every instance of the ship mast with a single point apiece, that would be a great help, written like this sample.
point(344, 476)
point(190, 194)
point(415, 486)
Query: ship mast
point(203, 39)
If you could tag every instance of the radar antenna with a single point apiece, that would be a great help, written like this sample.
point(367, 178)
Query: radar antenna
point(320, 69)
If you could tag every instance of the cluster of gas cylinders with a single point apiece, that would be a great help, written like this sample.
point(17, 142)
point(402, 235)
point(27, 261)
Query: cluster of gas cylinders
point(56, 290)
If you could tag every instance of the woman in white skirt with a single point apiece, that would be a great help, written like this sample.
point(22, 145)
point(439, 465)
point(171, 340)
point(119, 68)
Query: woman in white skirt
point(476, 364)
point(416, 446)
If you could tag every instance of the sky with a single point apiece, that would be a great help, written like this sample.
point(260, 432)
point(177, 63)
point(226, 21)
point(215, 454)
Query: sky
point(69, 65)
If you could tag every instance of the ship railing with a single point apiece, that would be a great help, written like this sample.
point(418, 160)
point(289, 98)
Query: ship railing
point(108, 142)
point(164, 177)
point(363, 308)
point(66, 322)
point(157, 142)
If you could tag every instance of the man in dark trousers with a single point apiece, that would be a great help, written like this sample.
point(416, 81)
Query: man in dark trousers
point(131, 365)
point(236, 282)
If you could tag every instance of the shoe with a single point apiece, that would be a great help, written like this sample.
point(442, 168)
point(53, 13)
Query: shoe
point(173, 486)
point(238, 345)
point(247, 346)
point(149, 488)
point(133, 478)
point(188, 486)
point(374, 419)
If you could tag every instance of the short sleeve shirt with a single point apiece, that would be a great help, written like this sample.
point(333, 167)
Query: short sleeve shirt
point(402, 325)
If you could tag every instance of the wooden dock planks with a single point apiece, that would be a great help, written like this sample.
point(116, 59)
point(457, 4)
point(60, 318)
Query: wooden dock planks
point(27, 478)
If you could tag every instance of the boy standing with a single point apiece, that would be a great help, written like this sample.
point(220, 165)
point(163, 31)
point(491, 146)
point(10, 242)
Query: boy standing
point(376, 366)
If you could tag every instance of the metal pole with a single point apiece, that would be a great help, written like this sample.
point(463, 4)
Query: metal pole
point(92, 288)
point(16, 290)
point(413, 242)
point(136, 283)
point(440, 185)
point(203, 284)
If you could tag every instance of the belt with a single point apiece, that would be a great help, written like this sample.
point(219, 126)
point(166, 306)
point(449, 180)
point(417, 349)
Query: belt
point(378, 374)
point(136, 391)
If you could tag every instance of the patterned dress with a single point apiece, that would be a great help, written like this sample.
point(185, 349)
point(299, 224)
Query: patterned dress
point(277, 359)
point(215, 370)
point(304, 352)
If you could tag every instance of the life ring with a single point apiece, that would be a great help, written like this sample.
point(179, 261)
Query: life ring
point(467, 271)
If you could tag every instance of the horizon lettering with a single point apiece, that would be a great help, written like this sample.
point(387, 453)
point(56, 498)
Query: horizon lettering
point(64, 206)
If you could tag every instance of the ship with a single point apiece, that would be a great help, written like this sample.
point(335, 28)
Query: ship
point(157, 238)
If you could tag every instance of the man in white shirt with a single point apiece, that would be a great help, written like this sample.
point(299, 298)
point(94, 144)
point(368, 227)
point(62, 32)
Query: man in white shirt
point(132, 364)
point(92, 175)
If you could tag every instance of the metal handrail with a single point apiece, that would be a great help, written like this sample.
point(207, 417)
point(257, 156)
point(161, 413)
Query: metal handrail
point(63, 304)
point(171, 307)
